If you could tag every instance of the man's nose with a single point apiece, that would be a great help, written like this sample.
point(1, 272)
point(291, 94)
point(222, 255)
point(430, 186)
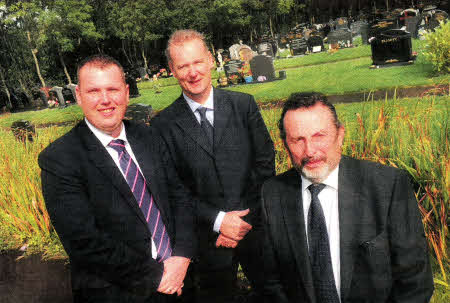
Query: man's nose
point(192, 71)
point(104, 97)
point(310, 148)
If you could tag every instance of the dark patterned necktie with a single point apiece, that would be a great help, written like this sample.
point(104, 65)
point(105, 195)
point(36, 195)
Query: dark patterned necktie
point(319, 250)
point(205, 124)
point(145, 200)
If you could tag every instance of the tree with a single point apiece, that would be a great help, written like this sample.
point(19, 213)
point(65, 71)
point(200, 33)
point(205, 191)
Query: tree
point(137, 22)
point(63, 24)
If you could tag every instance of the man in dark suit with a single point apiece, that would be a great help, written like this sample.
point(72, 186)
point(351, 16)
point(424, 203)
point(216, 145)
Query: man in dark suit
point(112, 196)
point(222, 152)
point(339, 229)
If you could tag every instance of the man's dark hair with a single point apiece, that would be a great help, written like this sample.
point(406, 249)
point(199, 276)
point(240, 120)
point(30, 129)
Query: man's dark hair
point(304, 100)
point(101, 61)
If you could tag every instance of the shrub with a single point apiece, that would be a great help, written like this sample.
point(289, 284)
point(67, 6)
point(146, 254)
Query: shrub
point(437, 49)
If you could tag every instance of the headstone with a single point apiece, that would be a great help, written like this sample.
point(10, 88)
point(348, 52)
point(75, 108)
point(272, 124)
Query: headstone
point(356, 27)
point(265, 48)
point(341, 23)
point(68, 96)
point(342, 37)
point(412, 26)
point(434, 19)
point(365, 33)
point(59, 95)
point(23, 130)
point(132, 85)
point(232, 67)
point(72, 88)
point(298, 46)
point(246, 53)
point(142, 73)
point(381, 26)
point(234, 51)
point(262, 65)
point(139, 112)
point(315, 44)
point(391, 46)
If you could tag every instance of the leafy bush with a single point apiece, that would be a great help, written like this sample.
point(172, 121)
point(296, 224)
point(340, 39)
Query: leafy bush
point(437, 50)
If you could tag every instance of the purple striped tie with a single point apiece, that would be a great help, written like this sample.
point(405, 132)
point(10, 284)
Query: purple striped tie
point(145, 200)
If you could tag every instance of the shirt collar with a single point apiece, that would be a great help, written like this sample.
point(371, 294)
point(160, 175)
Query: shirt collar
point(331, 180)
point(105, 139)
point(194, 105)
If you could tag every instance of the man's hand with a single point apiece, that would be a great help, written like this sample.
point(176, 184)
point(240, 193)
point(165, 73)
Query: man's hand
point(223, 241)
point(233, 226)
point(174, 272)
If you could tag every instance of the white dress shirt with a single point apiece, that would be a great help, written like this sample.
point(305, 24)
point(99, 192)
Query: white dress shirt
point(329, 201)
point(105, 139)
point(209, 104)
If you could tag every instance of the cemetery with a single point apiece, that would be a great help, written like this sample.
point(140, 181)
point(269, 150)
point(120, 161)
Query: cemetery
point(385, 65)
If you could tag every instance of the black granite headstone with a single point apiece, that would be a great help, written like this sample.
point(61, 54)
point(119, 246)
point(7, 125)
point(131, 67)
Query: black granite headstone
point(391, 46)
point(262, 67)
point(142, 72)
point(381, 26)
point(139, 112)
point(298, 46)
point(132, 85)
point(315, 44)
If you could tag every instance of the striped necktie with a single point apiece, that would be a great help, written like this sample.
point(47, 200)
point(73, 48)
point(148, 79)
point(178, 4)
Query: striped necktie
point(143, 196)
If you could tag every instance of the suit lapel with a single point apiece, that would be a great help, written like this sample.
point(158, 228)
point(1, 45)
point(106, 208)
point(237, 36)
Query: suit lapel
point(295, 225)
point(103, 161)
point(189, 124)
point(349, 199)
point(222, 114)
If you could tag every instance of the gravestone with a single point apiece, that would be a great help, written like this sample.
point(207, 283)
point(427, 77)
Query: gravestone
point(262, 66)
point(342, 37)
point(59, 95)
point(234, 51)
point(356, 27)
point(139, 112)
point(315, 44)
point(265, 48)
point(72, 88)
point(232, 67)
point(245, 53)
point(341, 23)
point(23, 130)
point(412, 26)
point(365, 33)
point(142, 72)
point(381, 26)
point(68, 96)
point(434, 18)
point(298, 46)
point(391, 46)
point(132, 85)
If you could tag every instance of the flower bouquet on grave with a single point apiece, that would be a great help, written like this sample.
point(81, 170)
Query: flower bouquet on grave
point(234, 78)
point(246, 72)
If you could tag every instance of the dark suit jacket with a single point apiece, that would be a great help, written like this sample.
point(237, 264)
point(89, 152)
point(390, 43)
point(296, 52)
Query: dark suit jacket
point(97, 217)
point(230, 176)
point(384, 256)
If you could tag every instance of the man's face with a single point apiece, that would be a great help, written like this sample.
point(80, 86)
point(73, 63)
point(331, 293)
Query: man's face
point(103, 96)
point(191, 64)
point(313, 141)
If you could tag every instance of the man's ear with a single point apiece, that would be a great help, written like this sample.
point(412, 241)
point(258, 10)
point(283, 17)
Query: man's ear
point(78, 94)
point(341, 135)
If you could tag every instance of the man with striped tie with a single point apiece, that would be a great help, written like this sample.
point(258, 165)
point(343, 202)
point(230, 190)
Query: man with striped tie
point(113, 197)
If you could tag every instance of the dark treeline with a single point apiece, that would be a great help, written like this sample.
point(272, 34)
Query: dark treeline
point(41, 41)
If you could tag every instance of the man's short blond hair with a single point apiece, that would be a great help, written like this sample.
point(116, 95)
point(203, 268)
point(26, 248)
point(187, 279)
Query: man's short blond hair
point(181, 36)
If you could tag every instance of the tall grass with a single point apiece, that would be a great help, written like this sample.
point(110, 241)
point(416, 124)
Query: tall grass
point(25, 221)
